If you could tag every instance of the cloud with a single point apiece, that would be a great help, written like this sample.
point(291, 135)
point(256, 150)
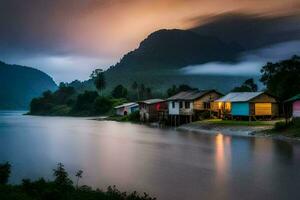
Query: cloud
point(249, 63)
point(81, 34)
point(251, 31)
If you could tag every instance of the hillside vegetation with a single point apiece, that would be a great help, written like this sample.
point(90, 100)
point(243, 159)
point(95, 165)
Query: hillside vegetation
point(19, 84)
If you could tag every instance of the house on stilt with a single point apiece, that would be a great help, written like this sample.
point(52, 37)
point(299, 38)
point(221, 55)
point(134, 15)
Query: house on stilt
point(186, 106)
point(248, 105)
point(153, 110)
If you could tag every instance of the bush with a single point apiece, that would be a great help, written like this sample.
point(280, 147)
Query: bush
point(60, 189)
point(102, 105)
point(4, 172)
point(205, 115)
point(134, 116)
point(279, 126)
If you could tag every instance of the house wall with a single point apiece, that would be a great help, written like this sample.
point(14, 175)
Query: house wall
point(150, 112)
point(120, 111)
point(240, 109)
point(175, 110)
point(296, 109)
point(264, 98)
point(210, 97)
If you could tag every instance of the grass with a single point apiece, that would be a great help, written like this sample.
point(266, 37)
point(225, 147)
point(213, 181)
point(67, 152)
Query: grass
point(237, 123)
point(291, 130)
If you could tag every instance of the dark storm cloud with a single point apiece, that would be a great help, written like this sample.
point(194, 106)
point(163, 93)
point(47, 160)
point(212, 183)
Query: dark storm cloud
point(250, 31)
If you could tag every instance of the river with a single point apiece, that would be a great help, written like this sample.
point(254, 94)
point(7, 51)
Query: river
point(166, 163)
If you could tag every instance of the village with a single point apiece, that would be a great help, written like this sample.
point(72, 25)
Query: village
point(245, 108)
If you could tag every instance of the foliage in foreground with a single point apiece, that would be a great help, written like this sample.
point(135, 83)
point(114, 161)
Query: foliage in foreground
point(61, 188)
point(291, 129)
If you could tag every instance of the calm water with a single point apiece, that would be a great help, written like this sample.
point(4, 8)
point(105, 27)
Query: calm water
point(165, 163)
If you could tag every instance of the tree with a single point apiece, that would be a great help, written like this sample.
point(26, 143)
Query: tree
point(172, 90)
point(119, 92)
point(85, 102)
point(78, 176)
point(99, 80)
point(142, 91)
point(248, 86)
point(61, 176)
point(102, 105)
point(135, 87)
point(5, 170)
point(282, 79)
point(148, 93)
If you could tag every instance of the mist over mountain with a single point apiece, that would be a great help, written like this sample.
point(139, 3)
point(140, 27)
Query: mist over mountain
point(158, 60)
point(19, 84)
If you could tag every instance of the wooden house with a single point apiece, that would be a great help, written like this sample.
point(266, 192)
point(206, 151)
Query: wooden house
point(152, 109)
point(184, 106)
point(295, 106)
point(248, 104)
point(126, 109)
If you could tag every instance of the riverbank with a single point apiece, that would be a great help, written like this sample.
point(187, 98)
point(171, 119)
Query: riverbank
point(240, 128)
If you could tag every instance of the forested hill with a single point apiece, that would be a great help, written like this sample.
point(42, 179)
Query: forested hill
point(158, 60)
point(19, 84)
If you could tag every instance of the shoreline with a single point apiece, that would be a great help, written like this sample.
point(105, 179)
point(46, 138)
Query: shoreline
point(240, 131)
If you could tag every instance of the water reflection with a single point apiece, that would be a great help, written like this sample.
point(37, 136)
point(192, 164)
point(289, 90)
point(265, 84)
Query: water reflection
point(164, 162)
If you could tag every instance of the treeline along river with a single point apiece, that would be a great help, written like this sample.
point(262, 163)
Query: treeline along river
point(166, 163)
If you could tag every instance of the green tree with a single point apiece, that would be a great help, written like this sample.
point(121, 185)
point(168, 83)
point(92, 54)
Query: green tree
point(102, 105)
point(85, 103)
point(172, 90)
point(78, 176)
point(5, 170)
point(142, 90)
point(248, 86)
point(61, 176)
point(282, 79)
point(135, 87)
point(99, 80)
point(119, 92)
point(148, 93)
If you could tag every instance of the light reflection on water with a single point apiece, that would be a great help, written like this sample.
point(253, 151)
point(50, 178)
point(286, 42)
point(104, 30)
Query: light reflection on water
point(164, 162)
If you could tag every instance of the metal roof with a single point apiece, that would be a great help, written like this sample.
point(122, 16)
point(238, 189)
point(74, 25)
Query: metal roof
point(239, 96)
point(294, 98)
point(131, 104)
point(189, 95)
point(152, 101)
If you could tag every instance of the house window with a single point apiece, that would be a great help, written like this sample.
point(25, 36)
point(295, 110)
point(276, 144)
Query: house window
point(180, 104)
point(187, 104)
point(173, 104)
point(206, 105)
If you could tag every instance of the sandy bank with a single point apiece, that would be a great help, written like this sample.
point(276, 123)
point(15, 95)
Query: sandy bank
point(248, 131)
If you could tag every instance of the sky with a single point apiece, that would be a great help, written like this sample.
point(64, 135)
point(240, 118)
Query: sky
point(69, 38)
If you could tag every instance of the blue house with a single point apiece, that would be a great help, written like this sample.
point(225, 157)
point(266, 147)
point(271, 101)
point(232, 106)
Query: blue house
point(248, 104)
point(127, 108)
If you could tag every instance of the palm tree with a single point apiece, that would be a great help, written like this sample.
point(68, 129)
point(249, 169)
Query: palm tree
point(135, 87)
point(79, 176)
point(99, 80)
point(142, 90)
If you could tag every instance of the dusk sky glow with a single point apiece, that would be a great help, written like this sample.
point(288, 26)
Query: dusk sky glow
point(69, 38)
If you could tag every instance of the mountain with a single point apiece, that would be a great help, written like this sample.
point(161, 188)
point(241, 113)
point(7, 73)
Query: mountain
point(158, 61)
point(19, 84)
